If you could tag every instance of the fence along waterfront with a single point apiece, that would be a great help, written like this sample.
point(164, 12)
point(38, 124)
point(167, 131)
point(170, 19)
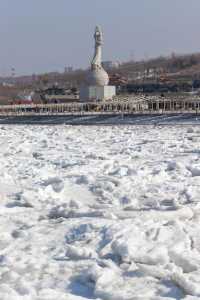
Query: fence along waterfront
point(146, 105)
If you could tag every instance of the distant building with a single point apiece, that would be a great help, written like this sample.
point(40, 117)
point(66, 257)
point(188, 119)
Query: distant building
point(68, 69)
point(58, 95)
point(107, 65)
point(118, 80)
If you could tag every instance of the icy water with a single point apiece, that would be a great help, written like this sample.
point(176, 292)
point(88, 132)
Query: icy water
point(104, 119)
point(99, 213)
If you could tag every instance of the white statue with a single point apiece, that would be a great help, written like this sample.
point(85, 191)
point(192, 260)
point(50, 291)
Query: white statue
point(96, 62)
point(96, 86)
point(97, 75)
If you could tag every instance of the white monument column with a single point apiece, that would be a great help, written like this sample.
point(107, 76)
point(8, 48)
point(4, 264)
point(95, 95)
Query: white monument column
point(97, 88)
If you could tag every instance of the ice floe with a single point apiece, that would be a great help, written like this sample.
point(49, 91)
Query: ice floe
point(106, 213)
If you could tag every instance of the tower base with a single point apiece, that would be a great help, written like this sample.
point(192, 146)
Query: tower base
point(97, 93)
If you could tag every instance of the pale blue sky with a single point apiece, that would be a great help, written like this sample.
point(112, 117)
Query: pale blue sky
point(46, 35)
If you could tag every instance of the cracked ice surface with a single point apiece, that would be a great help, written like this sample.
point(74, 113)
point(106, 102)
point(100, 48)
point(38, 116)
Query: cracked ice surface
point(109, 213)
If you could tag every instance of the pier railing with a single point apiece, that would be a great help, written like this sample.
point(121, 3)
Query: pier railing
point(126, 106)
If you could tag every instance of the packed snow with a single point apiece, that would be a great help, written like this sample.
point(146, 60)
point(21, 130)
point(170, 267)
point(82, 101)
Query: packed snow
point(107, 213)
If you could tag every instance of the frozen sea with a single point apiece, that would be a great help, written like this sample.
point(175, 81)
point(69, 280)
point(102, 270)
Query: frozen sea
point(107, 213)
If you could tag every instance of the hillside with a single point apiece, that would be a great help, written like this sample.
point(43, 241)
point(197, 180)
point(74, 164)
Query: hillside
point(175, 66)
point(175, 69)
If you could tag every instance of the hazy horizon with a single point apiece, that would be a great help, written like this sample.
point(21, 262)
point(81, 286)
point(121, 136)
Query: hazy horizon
point(43, 36)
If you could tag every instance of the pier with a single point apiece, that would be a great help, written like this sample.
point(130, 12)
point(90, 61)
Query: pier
point(121, 105)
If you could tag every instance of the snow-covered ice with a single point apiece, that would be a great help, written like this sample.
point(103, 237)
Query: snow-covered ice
point(107, 213)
